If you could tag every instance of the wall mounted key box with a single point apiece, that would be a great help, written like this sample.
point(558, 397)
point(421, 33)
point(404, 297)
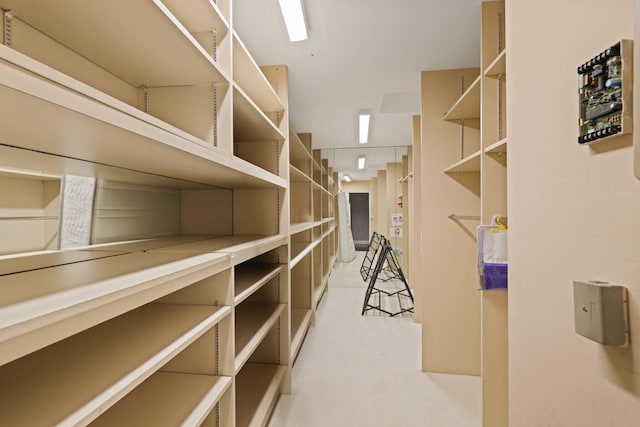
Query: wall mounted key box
point(605, 93)
point(601, 312)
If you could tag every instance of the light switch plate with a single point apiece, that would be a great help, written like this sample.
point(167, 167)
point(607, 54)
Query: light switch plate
point(601, 312)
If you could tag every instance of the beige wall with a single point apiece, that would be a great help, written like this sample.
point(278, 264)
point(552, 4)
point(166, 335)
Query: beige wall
point(356, 186)
point(573, 214)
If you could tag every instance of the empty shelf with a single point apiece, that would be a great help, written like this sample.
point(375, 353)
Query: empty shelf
point(468, 164)
point(198, 16)
point(498, 66)
point(252, 81)
point(107, 33)
point(296, 175)
point(73, 381)
point(300, 227)
point(253, 322)
point(300, 321)
point(297, 150)
point(110, 132)
point(251, 277)
point(240, 247)
point(468, 105)
point(40, 307)
point(167, 400)
point(149, 244)
point(497, 147)
point(300, 250)
point(250, 123)
point(257, 387)
point(38, 261)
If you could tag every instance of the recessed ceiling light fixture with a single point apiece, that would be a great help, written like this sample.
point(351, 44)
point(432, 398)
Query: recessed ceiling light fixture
point(364, 119)
point(294, 19)
point(346, 178)
point(361, 161)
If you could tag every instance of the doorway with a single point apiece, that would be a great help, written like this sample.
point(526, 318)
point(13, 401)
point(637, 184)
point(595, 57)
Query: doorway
point(359, 203)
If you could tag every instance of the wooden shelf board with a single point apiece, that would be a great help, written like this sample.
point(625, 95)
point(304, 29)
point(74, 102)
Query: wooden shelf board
point(327, 220)
point(88, 126)
point(97, 367)
point(299, 251)
point(317, 186)
point(300, 227)
point(468, 105)
point(149, 244)
point(37, 261)
point(240, 247)
point(25, 62)
point(27, 174)
point(199, 16)
point(326, 191)
point(498, 66)
point(257, 387)
point(332, 260)
point(327, 233)
point(319, 290)
point(167, 399)
point(468, 164)
point(250, 124)
point(181, 61)
point(304, 165)
point(297, 150)
point(497, 147)
point(251, 277)
point(251, 79)
point(296, 175)
point(40, 307)
point(253, 323)
point(300, 322)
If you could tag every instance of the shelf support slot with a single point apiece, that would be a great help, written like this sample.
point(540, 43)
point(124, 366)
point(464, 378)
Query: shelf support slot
point(145, 91)
point(8, 18)
point(461, 139)
point(214, 48)
point(500, 107)
point(215, 114)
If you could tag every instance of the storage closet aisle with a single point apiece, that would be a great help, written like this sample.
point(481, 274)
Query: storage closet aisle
point(365, 370)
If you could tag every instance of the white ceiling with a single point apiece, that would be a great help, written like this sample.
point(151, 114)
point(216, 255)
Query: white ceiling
point(361, 54)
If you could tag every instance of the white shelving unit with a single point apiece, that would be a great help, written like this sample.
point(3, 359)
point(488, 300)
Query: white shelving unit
point(313, 233)
point(178, 311)
point(475, 185)
point(99, 366)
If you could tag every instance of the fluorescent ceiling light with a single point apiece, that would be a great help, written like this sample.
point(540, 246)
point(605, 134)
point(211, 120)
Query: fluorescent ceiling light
point(347, 178)
point(364, 127)
point(361, 162)
point(294, 19)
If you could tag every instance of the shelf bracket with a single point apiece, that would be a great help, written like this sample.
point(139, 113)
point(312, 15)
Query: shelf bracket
point(8, 18)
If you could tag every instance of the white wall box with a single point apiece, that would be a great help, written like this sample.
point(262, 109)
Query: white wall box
point(183, 296)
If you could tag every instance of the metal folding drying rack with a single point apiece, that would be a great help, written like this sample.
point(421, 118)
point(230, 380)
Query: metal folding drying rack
point(386, 268)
